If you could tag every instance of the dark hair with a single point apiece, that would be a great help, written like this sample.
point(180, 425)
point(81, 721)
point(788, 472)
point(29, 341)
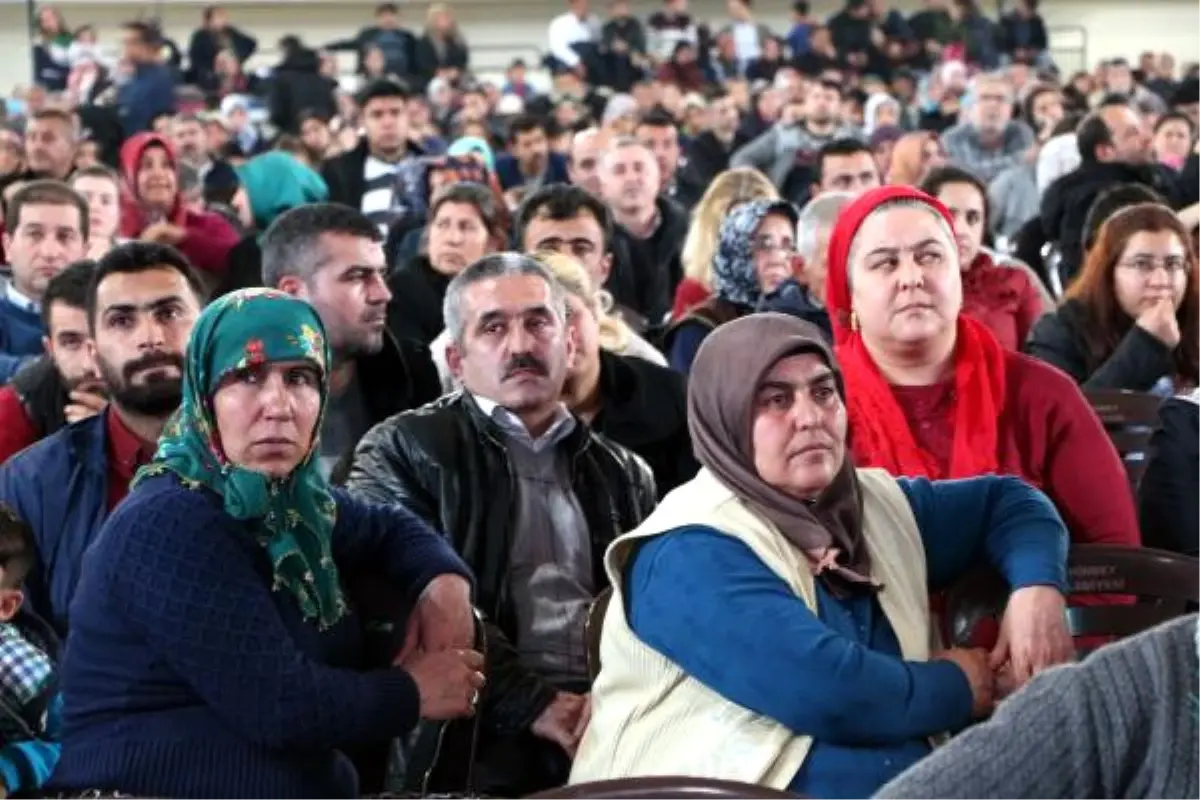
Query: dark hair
point(382, 88)
point(16, 548)
point(1175, 116)
point(947, 175)
point(1109, 202)
point(134, 257)
point(45, 193)
point(845, 146)
point(1068, 124)
point(1092, 134)
point(656, 117)
point(561, 202)
point(832, 85)
point(1106, 323)
point(386, 8)
point(147, 32)
point(481, 198)
point(291, 244)
point(801, 7)
point(69, 287)
point(311, 113)
point(525, 123)
point(1032, 97)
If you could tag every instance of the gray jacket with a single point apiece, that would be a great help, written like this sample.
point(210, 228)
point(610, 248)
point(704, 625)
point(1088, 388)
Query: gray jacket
point(773, 153)
point(1122, 723)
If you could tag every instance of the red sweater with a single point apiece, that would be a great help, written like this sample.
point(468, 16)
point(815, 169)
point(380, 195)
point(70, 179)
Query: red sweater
point(688, 294)
point(1002, 298)
point(16, 429)
point(1050, 431)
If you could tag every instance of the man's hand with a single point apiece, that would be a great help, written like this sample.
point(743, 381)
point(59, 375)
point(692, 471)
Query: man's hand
point(1033, 633)
point(83, 404)
point(560, 722)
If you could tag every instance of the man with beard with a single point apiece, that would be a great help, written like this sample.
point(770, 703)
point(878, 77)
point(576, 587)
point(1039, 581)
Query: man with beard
point(46, 228)
point(530, 498)
point(332, 256)
point(141, 305)
point(61, 386)
point(531, 163)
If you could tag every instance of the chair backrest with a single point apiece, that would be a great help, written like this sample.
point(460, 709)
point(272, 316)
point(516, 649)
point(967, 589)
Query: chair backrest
point(653, 788)
point(1163, 586)
point(1130, 419)
point(593, 628)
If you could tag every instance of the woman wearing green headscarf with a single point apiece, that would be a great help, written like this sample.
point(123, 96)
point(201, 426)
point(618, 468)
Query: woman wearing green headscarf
point(213, 652)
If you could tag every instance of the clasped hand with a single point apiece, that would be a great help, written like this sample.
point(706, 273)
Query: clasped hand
point(1033, 637)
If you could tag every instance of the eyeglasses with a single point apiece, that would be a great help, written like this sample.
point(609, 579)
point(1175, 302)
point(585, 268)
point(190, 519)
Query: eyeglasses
point(1146, 265)
point(766, 244)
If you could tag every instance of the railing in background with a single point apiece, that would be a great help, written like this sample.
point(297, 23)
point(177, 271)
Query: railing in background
point(1068, 47)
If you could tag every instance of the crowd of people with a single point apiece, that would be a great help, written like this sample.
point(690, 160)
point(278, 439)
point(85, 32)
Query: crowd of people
point(327, 418)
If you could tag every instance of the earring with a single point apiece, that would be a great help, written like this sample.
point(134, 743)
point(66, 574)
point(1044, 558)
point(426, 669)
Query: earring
point(854, 321)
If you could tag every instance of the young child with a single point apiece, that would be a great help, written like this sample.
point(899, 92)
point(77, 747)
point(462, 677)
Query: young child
point(30, 705)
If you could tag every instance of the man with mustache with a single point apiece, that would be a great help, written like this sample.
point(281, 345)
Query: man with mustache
point(530, 497)
point(332, 255)
point(61, 386)
point(46, 228)
point(141, 304)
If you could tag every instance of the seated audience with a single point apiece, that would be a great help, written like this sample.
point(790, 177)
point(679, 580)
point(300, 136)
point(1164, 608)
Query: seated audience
point(153, 208)
point(32, 720)
point(1169, 491)
point(332, 256)
point(1131, 320)
point(535, 541)
point(932, 392)
point(727, 190)
point(142, 302)
point(782, 559)
point(61, 386)
point(100, 187)
point(1120, 724)
point(232, 520)
point(914, 155)
point(46, 228)
point(1003, 298)
point(757, 244)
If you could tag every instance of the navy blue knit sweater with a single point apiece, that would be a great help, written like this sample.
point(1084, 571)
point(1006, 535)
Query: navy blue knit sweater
point(186, 676)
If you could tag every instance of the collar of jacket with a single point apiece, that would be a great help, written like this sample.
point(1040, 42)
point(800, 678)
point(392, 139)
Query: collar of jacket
point(576, 442)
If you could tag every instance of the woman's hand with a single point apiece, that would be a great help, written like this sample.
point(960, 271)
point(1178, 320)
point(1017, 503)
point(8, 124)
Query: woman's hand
point(163, 233)
point(1159, 321)
point(444, 617)
point(1033, 633)
point(973, 662)
point(448, 682)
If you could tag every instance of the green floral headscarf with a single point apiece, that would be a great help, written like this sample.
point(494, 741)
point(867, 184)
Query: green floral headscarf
point(293, 516)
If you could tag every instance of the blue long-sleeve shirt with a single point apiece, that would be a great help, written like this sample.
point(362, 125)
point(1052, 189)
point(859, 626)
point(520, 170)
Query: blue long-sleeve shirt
point(185, 675)
point(21, 334)
point(25, 766)
point(837, 675)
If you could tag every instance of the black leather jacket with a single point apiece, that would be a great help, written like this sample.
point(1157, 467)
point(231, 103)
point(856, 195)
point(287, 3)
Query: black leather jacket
point(447, 463)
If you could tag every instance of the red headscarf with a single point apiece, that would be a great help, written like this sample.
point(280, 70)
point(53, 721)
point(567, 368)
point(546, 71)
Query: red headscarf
point(880, 433)
point(133, 214)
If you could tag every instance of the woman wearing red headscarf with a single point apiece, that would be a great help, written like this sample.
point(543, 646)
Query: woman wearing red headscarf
point(153, 208)
point(931, 391)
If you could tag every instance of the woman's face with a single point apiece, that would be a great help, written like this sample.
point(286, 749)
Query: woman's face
point(267, 416)
point(50, 21)
point(457, 238)
point(966, 206)
point(799, 429)
point(1154, 265)
point(315, 135)
point(932, 155)
point(774, 251)
point(1173, 141)
point(905, 286)
point(582, 320)
point(374, 62)
point(887, 114)
point(157, 184)
point(103, 211)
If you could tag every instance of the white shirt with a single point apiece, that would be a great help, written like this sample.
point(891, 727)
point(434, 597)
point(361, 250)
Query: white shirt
point(566, 30)
point(21, 301)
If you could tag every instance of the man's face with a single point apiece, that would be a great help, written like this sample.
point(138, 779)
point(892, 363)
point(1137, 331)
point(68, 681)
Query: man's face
point(853, 173)
point(66, 342)
point(1119, 79)
point(580, 237)
point(724, 115)
point(630, 179)
point(104, 213)
point(50, 148)
point(515, 349)
point(47, 238)
point(1130, 144)
point(475, 106)
point(993, 107)
point(663, 143)
point(219, 19)
point(386, 123)
point(190, 141)
point(1047, 110)
point(532, 148)
point(822, 104)
point(349, 291)
point(140, 331)
point(584, 167)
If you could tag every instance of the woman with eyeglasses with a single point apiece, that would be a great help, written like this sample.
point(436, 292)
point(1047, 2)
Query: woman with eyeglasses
point(756, 250)
point(1130, 320)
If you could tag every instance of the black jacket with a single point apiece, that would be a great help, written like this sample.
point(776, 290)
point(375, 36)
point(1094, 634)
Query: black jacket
point(344, 174)
point(297, 86)
point(646, 271)
point(1138, 363)
point(1169, 493)
point(415, 311)
point(447, 463)
point(644, 408)
point(43, 395)
point(429, 60)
